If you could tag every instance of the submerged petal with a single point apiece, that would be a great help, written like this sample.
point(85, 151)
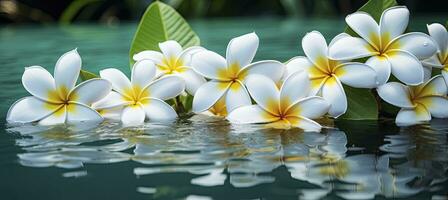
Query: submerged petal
point(30, 109)
point(208, 94)
point(158, 110)
point(133, 115)
point(411, 116)
point(250, 114)
point(241, 50)
point(396, 94)
point(306, 124)
point(143, 73)
point(67, 69)
point(57, 117)
point(39, 83)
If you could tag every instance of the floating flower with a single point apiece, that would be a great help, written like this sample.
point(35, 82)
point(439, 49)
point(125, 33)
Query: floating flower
point(417, 103)
point(174, 60)
point(57, 100)
point(390, 50)
point(227, 76)
point(141, 96)
point(288, 107)
point(440, 59)
point(326, 74)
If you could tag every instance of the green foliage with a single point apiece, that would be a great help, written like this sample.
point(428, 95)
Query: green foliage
point(160, 23)
point(73, 9)
point(362, 104)
point(86, 75)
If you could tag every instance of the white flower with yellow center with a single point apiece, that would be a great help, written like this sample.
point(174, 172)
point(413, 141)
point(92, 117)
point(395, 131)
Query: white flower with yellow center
point(289, 106)
point(390, 50)
point(440, 59)
point(174, 60)
point(228, 76)
point(141, 97)
point(57, 100)
point(326, 75)
point(417, 103)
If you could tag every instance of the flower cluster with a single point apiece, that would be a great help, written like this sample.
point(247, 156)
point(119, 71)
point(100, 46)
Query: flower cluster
point(282, 95)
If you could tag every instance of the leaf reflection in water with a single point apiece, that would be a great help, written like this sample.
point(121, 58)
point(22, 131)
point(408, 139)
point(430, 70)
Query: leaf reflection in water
point(218, 153)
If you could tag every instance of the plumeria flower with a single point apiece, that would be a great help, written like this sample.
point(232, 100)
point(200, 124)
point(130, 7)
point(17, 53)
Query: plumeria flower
point(390, 50)
point(285, 108)
point(57, 100)
point(228, 76)
point(174, 60)
point(326, 74)
point(417, 103)
point(141, 97)
point(440, 59)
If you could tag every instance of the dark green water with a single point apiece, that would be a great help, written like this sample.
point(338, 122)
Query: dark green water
point(200, 157)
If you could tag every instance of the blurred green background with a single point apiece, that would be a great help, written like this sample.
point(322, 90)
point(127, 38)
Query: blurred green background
point(116, 11)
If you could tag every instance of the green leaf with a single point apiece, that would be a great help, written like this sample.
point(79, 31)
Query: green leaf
point(86, 75)
point(362, 104)
point(160, 23)
point(375, 8)
point(69, 14)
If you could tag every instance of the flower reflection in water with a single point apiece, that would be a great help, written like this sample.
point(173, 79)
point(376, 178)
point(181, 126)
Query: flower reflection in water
point(223, 157)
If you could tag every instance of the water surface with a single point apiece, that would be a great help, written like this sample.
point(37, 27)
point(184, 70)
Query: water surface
point(203, 157)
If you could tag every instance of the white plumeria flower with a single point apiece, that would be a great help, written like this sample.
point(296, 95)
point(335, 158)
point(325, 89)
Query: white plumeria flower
point(141, 97)
point(289, 106)
point(227, 76)
point(417, 103)
point(57, 100)
point(326, 74)
point(174, 60)
point(390, 50)
point(440, 59)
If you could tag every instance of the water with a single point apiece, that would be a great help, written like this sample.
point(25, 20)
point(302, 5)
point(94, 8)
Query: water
point(203, 157)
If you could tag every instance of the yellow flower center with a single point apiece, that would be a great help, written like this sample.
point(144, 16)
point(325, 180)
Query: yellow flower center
point(172, 65)
point(136, 95)
point(60, 98)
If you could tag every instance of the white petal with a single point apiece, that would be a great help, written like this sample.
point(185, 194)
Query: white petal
point(382, 67)
point(133, 115)
point(79, 113)
point(364, 25)
point(264, 92)
point(334, 93)
point(119, 81)
point(39, 83)
point(338, 37)
point(192, 80)
point(57, 117)
point(440, 35)
point(166, 87)
point(359, 48)
point(188, 53)
point(412, 116)
point(208, 94)
point(357, 75)
point(315, 48)
point(299, 63)
point(154, 56)
point(427, 72)
point(143, 73)
point(406, 67)
point(158, 110)
point(270, 68)
point(113, 99)
point(250, 114)
point(67, 69)
point(90, 91)
point(241, 50)
point(210, 65)
point(295, 87)
point(237, 96)
point(418, 44)
point(111, 113)
point(436, 105)
point(394, 21)
point(310, 107)
point(396, 94)
point(29, 109)
point(434, 87)
point(170, 48)
point(445, 76)
point(307, 125)
point(432, 61)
